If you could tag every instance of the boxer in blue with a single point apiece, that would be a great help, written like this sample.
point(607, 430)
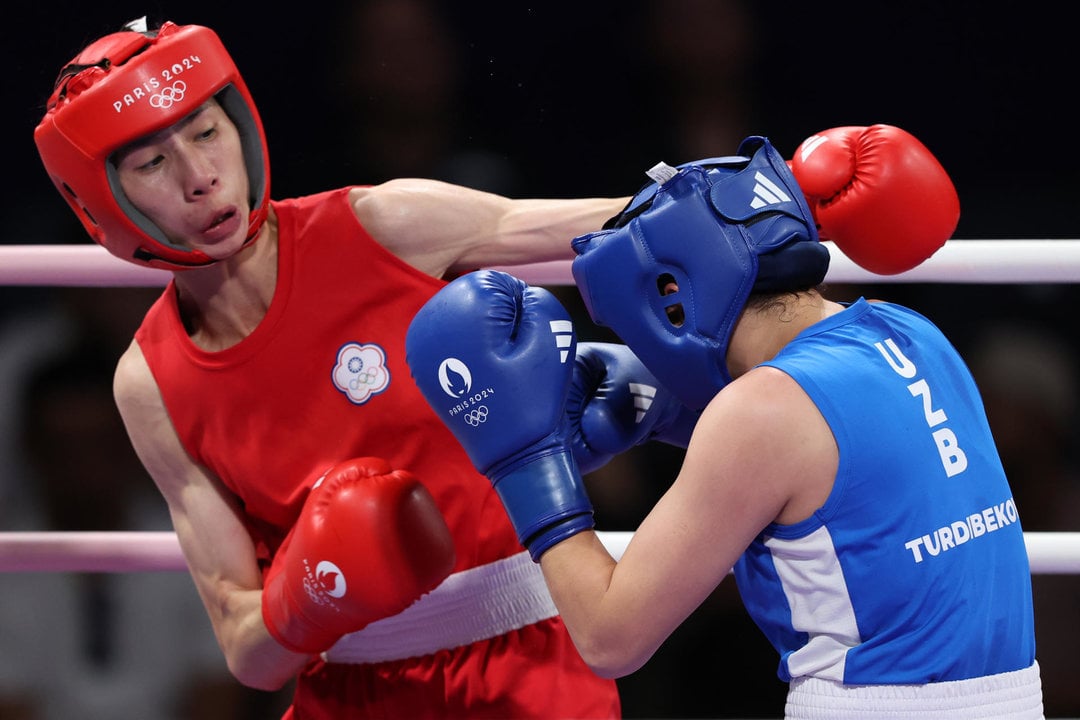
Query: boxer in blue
point(838, 456)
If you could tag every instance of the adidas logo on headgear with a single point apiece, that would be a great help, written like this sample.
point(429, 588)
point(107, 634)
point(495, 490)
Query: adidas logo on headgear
point(766, 192)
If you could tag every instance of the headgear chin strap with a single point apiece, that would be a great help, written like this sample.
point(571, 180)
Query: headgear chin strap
point(717, 230)
point(126, 86)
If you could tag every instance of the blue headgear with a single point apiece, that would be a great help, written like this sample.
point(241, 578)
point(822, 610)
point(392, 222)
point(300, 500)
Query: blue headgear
point(718, 229)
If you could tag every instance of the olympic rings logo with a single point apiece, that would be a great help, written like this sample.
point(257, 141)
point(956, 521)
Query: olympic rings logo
point(370, 376)
point(478, 416)
point(165, 99)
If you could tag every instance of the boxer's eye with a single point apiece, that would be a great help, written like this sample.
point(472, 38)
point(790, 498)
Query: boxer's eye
point(666, 285)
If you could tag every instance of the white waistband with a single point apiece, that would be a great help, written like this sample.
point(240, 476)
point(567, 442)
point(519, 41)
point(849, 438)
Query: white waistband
point(472, 605)
point(1012, 695)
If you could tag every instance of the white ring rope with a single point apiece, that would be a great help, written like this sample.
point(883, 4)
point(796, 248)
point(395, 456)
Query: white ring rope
point(1049, 553)
point(958, 261)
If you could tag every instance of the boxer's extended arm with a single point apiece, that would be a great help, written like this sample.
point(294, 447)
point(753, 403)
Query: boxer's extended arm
point(215, 543)
point(438, 227)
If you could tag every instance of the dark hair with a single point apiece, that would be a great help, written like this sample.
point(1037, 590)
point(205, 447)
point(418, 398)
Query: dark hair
point(762, 301)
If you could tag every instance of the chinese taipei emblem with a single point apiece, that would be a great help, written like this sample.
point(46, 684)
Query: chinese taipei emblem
point(360, 372)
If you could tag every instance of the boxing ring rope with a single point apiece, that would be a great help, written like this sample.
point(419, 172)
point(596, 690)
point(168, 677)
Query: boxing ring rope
point(1049, 553)
point(89, 265)
point(958, 261)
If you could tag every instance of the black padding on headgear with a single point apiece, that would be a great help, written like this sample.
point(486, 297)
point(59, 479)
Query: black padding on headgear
point(796, 266)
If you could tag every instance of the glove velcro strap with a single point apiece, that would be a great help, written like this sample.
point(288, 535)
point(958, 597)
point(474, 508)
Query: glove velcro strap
point(545, 499)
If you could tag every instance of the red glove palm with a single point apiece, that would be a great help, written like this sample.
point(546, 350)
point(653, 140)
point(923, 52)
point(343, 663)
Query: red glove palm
point(879, 194)
point(368, 543)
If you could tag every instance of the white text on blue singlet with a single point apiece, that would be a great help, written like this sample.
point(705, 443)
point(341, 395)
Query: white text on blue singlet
point(952, 456)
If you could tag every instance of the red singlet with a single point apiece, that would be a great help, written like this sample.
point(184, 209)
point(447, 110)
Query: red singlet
point(323, 379)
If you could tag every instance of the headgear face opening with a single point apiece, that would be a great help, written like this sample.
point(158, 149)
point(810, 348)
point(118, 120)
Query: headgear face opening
point(672, 273)
point(126, 86)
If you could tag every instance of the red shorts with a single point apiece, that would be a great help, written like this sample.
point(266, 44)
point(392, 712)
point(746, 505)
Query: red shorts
point(534, 672)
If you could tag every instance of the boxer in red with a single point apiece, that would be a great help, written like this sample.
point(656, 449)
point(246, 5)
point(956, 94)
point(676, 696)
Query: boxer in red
point(335, 531)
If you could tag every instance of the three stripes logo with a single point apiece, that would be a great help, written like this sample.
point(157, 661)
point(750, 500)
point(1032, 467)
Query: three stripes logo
point(643, 399)
point(811, 144)
point(766, 192)
point(563, 330)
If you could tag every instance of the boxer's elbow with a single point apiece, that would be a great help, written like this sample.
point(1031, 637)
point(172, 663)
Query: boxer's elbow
point(612, 653)
point(253, 657)
point(258, 674)
point(262, 683)
point(256, 680)
point(614, 668)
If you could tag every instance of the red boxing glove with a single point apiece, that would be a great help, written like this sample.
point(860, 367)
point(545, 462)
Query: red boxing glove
point(879, 194)
point(368, 543)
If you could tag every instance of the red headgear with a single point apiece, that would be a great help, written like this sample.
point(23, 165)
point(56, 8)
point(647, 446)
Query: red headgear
point(125, 86)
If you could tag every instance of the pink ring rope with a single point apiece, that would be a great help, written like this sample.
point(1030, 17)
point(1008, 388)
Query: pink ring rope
point(959, 261)
point(1050, 553)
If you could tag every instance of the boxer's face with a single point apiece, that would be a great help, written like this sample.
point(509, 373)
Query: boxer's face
point(191, 181)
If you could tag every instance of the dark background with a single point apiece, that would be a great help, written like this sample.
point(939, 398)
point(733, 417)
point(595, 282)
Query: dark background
point(563, 99)
point(574, 97)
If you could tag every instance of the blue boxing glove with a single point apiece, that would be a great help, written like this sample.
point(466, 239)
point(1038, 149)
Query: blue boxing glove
point(615, 403)
point(494, 359)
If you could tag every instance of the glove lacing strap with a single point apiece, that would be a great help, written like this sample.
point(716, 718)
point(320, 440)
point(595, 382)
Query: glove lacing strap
point(469, 606)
